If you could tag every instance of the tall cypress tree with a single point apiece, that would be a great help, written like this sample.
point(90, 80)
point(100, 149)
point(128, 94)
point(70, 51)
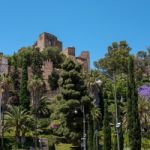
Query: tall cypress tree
point(115, 142)
point(24, 94)
point(133, 117)
point(37, 62)
point(15, 73)
point(106, 128)
point(121, 138)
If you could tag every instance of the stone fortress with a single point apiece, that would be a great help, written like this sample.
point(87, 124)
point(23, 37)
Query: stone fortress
point(48, 40)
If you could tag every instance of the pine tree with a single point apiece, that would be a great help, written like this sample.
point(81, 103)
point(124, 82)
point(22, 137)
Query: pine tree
point(37, 62)
point(133, 118)
point(74, 95)
point(107, 128)
point(24, 94)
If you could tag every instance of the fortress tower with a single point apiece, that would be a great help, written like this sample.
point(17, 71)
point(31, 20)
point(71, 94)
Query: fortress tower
point(83, 59)
point(47, 40)
point(69, 51)
point(85, 56)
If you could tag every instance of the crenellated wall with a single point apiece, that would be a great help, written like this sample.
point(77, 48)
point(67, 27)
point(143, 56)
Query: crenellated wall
point(83, 59)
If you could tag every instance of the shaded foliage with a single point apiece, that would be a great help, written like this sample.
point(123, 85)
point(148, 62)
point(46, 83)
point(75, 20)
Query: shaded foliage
point(54, 55)
point(53, 80)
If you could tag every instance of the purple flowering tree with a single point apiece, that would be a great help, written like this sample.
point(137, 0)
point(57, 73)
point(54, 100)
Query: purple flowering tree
point(144, 91)
point(144, 106)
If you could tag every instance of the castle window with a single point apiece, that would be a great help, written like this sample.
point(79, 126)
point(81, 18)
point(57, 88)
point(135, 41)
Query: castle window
point(50, 42)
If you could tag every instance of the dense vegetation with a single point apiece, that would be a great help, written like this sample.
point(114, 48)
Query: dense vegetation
point(107, 107)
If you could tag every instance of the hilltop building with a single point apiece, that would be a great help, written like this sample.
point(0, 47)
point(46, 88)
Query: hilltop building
point(49, 40)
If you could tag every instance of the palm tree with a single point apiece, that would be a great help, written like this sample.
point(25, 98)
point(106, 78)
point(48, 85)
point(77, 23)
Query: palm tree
point(96, 114)
point(43, 109)
point(91, 81)
point(93, 120)
point(36, 86)
point(96, 117)
point(93, 85)
point(5, 83)
point(18, 120)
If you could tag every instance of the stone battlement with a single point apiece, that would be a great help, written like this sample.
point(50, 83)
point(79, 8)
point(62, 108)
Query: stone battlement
point(83, 59)
point(47, 40)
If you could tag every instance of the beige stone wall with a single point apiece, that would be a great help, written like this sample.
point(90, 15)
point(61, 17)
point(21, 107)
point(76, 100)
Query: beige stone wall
point(85, 56)
point(69, 51)
point(40, 42)
point(47, 69)
point(3, 65)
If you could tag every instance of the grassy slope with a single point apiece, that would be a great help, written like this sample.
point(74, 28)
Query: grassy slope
point(63, 147)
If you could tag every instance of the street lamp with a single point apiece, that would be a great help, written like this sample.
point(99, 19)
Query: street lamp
point(99, 82)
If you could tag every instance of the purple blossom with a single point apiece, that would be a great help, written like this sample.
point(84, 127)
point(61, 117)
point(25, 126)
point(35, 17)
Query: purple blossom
point(54, 126)
point(144, 91)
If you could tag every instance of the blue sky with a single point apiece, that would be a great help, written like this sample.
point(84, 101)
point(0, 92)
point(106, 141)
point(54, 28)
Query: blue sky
point(86, 24)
